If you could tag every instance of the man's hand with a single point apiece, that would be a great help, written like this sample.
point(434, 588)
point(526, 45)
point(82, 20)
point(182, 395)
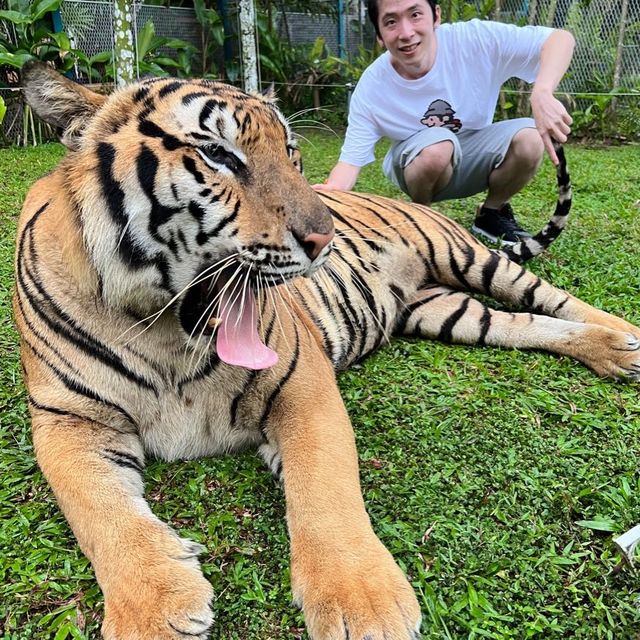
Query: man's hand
point(552, 120)
point(342, 178)
point(323, 186)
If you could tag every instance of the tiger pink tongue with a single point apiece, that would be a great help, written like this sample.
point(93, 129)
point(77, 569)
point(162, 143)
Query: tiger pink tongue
point(238, 342)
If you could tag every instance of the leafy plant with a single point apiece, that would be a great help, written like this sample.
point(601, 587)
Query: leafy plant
point(593, 121)
point(602, 116)
point(3, 113)
point(355, 68)
point(277, 58)
point(213, 36)
point(456, 10)
point(318, 68)
point(25, 34)
point(151, 57)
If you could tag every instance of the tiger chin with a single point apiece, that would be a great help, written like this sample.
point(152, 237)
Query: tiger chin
point(181, 291)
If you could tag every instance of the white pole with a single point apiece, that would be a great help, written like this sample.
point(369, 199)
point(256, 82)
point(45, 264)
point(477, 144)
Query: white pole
point(123, 50)
point(249, 53)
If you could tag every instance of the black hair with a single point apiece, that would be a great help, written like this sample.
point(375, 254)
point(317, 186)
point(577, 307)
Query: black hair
point(372, 10)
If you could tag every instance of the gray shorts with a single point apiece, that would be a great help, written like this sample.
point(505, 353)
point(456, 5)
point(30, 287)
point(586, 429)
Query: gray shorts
point(476, 153)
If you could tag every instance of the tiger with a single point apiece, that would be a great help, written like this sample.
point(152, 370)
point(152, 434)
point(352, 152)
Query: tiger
point(182, 291)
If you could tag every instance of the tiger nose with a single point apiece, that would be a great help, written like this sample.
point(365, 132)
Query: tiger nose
point(314, 243)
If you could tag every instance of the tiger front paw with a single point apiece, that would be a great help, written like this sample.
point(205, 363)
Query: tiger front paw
point(160, 600)
point(355, 596)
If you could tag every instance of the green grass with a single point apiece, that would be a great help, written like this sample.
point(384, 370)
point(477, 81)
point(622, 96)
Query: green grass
point(477, 465)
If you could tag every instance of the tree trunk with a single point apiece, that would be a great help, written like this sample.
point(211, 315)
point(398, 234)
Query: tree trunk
point(617, 69)
point(248, 45)
point(551, 12)
point(522, 108)
point(123, 49)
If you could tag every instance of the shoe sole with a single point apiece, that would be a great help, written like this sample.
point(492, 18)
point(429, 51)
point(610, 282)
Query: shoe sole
point(495, 239)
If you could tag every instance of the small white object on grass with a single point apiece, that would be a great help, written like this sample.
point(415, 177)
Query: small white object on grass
point(627, 543)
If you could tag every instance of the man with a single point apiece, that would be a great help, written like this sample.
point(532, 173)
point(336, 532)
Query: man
point(434, 92)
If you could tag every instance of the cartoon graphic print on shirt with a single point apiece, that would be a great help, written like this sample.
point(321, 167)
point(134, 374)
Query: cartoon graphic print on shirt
point(441, 114)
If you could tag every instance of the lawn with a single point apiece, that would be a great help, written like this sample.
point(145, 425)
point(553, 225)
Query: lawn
point(496, 478)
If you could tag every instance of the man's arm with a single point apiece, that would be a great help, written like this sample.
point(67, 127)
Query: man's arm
point(552, 119)
point(342, 177)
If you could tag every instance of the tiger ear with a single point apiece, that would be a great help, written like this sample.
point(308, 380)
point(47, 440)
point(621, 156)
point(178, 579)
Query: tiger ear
point(270, 93)
point(64, 104)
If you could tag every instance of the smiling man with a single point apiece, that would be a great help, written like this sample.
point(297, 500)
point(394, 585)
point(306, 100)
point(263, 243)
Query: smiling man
point(434, 93)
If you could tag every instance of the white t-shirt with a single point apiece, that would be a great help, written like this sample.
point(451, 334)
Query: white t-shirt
point(473, 60)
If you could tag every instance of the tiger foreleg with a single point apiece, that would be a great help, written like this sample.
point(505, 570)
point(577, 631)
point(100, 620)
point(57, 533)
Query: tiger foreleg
point(444, 314)
point(346, 582)
point(151, 580)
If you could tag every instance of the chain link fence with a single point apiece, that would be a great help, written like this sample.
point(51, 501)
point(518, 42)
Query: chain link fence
point(89, 23)
point(604, 77)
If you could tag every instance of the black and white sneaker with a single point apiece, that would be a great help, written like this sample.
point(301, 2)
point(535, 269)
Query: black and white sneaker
point(499, 225)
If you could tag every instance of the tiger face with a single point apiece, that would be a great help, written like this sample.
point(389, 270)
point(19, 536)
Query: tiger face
point(202, 191)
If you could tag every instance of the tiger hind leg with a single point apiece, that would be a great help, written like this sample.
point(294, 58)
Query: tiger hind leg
point(151, 580)
point(442, 313)
point(485, 271)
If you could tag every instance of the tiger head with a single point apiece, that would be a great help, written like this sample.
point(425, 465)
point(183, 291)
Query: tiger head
point(189, 194)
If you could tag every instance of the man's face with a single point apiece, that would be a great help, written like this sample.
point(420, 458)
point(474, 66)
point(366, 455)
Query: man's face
point(407, 29)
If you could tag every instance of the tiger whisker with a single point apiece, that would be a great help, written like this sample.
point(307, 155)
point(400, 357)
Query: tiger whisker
point(307, 140)
point(291, 298)
point(259, 302)
point(276, 309)
point(244, 297)
point(271, 295)
point(319, 126)
point(208, 312)
point(294, 116)
point(231, 301)
point(209, 308)
point(201, 277)
point(124, 231)
point(294, 286)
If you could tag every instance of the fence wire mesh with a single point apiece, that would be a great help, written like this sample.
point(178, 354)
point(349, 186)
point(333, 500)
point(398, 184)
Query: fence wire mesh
point(606, 60)
point(89, 23)
point(607, 32)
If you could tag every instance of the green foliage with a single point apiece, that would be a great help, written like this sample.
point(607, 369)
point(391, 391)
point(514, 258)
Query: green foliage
point(593, 62)
point(151, 57)
point(278, 59)
point(456, 10)
point(212, 39)
point(26, 35)
point(497, 478)
point(594, 120)
point(316, 67)
point(355, 67)
point(310, 7)
point(607, 115)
